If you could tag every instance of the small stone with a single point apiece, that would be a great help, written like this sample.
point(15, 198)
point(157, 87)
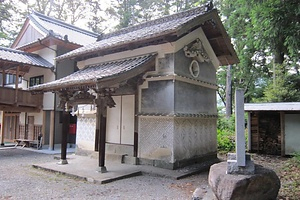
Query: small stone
point(91, 180)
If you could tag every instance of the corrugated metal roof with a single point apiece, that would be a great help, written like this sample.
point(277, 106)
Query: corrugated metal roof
point(24, 58)
point(90, 75)
point(144, 31)
point(282, 106)
point(59, 29)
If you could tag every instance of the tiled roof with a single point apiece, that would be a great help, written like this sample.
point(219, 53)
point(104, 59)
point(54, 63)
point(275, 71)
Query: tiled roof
point(59, 29)
point(93, 74)
point(151, 29)
point(21, 57)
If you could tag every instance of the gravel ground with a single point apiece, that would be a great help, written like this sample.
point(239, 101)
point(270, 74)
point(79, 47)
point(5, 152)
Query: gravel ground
point(19, 180)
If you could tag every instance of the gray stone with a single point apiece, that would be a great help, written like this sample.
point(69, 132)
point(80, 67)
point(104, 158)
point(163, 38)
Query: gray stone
point(263, 185)
point(234, 168)
point(203, 193)
point(62, 162)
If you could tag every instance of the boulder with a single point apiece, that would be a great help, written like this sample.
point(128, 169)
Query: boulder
point(264, 184)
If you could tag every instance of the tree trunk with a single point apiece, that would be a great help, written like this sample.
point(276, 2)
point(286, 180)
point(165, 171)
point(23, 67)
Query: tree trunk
point(228, 93)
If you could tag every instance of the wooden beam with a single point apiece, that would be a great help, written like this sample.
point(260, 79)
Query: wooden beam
point(13, 108)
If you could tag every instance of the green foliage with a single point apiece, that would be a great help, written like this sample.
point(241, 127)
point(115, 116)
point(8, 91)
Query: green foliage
point(283, 89)
point(296, 159)
point(225, 134)
point(225, 141)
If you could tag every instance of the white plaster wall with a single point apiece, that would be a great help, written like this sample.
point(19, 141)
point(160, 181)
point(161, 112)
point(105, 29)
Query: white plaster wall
point(156, 138)
point(38, 118)
point(47, 54)
point(194, 137)
point(85, 134)
point(48, 101)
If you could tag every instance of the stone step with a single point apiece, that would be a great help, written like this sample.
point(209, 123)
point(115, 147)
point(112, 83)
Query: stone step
point(121, 158)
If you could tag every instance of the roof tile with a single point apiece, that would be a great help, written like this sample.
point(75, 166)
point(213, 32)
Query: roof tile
point(11, 55)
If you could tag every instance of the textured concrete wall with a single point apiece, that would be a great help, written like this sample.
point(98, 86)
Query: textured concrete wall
point(85, 134)
point(194, 137)
point(156, 138)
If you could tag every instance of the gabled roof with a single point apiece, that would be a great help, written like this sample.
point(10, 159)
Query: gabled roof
point(282, 106)
point(163, 30)
point(10, 57)
point(106, 73)
point(58, 29)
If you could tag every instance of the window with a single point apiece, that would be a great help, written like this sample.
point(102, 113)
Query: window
point(11, 79)
point(36, 80)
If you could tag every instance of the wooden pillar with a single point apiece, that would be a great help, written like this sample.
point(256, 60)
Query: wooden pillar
point(102, 133)
point(2, 128)
point(3, 78)
point(17, 84)
point(51, 131)
point(64, 135)
point(249, 131)
point(64, 98)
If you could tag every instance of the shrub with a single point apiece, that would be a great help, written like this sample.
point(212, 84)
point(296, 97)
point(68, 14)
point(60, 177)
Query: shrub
point(225, 140)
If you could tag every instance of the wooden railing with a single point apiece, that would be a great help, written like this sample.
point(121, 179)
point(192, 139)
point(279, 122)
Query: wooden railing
point(12, 97)
point(37, 130)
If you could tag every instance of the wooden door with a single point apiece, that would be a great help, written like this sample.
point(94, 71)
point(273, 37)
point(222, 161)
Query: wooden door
point(11, 127)
point(120, 121)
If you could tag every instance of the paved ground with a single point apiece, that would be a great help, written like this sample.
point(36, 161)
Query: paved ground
point(19, 180)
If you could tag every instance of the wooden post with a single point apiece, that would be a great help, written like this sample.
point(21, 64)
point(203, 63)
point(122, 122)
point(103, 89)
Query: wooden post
point(64, 97)
point(97, 132)
point(3, 78)
point(102, 133)
point(249, 131)
point(17, 85)
point(51, 131)
point(135, 144)
point(65, 131)
point(2, 129)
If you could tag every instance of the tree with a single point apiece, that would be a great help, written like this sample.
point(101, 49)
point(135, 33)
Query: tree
point(266, 38)
point(9, 23)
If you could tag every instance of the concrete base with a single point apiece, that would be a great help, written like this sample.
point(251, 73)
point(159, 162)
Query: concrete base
point(101, 169)
point(234, 168)
point(62, 162)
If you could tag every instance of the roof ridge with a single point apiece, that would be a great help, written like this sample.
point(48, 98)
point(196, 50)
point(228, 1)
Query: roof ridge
point(64, 24)
point(201, 9)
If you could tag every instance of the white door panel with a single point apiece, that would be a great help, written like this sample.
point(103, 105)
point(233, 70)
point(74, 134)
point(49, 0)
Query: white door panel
point(127, 116)
point(113, 122)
